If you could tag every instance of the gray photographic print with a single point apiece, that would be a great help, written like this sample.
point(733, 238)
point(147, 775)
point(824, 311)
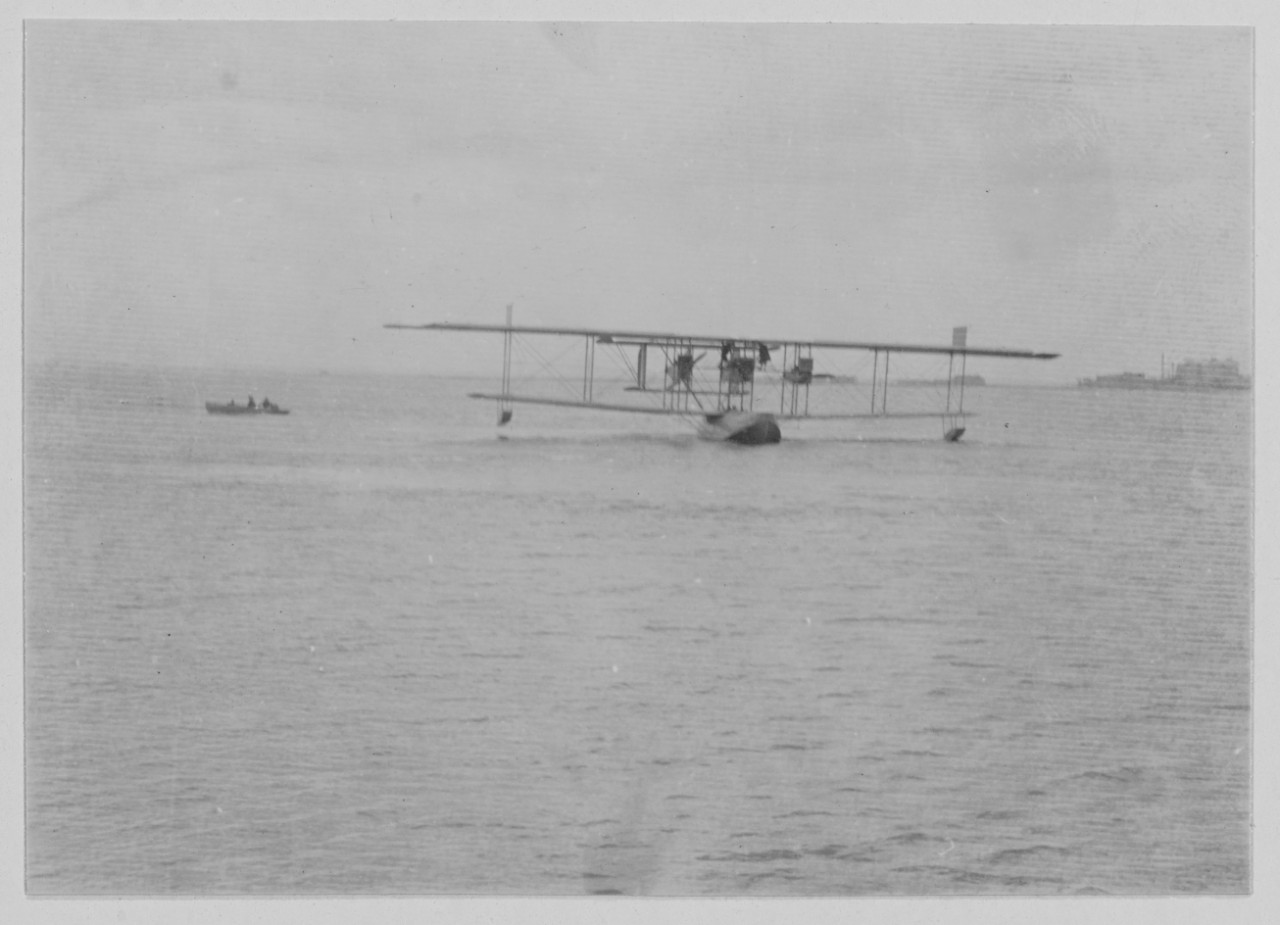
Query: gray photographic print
point(702, 459)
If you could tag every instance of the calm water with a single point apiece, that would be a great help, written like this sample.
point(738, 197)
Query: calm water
point(370, 648)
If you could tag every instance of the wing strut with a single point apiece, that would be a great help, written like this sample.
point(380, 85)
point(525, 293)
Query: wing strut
point(504, 405)
point(875, 373)
point(953, 422)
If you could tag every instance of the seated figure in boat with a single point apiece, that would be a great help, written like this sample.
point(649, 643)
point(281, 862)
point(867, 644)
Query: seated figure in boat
point(251, 404)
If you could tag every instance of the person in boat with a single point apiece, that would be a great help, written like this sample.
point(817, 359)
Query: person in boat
point(251, 404)
point(266, 404)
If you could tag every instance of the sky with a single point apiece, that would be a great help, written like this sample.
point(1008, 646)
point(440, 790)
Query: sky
point(270, 194)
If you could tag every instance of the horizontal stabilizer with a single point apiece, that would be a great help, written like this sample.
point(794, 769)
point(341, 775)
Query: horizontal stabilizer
point(566, 403)
point(869, 416)
point(691, 412)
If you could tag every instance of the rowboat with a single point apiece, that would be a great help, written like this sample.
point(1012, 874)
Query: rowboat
point(233, 408)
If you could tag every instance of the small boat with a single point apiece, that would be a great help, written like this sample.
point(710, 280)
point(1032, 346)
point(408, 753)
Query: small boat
point(232, 408)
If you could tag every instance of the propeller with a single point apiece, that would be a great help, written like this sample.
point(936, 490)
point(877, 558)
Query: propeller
point(681, 371)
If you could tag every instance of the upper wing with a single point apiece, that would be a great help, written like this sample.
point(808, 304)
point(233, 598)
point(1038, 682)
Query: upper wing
point(703, 341)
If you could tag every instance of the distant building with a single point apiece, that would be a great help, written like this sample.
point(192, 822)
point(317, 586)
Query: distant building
point(1210, 374)
point(1189, 374)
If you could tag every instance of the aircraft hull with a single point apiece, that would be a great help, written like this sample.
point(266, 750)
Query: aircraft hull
point(748, 428)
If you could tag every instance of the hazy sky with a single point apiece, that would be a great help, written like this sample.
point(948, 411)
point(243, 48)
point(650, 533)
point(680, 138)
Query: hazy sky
point(270, 194)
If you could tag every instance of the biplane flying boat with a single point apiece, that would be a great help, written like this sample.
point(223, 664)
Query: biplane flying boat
point(756, 383)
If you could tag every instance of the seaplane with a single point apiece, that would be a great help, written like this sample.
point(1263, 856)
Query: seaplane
point(757, 382)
